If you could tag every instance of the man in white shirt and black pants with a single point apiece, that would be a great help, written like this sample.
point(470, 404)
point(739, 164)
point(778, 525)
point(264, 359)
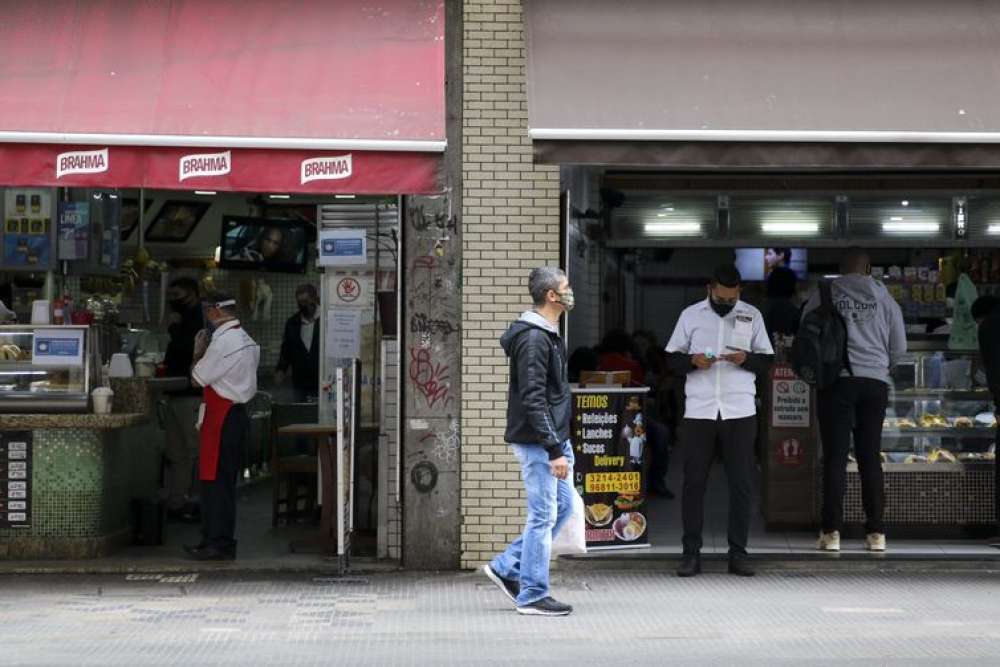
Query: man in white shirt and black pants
point(719, 344)
point(225, 364)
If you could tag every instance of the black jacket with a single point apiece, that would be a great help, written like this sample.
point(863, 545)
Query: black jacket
point(304, 363)
point(989, 349)
point(180, 350)
point(538, 401)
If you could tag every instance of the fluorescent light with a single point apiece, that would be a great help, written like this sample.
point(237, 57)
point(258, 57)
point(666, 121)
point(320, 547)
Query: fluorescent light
point(218, 254)
point(896, 218)
point(831, 276)
point(661, 215)
point(280, 196)
point(799, 227)
point(905, 202)
point(343, 196)
point(993, 229)
point(668, 208)
point(911, 227)
point(673, 228)
point(207, 193)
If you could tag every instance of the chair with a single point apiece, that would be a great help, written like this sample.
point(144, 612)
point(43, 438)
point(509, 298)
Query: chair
point(295, 472)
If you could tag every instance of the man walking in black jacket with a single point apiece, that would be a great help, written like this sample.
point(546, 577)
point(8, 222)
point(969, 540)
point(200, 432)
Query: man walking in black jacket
point(538, 421)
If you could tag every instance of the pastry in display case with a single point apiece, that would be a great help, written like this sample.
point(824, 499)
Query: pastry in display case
point(44, 368)
point(938, 413)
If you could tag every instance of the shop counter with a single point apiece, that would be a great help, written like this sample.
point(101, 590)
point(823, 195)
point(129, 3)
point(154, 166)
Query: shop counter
point(66, 481)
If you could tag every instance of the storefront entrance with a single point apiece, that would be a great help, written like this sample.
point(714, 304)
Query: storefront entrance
point(641, 247)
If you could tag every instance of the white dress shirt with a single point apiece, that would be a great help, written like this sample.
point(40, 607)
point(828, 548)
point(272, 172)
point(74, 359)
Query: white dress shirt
point(725, 389)
point(307, 333)
point(230, 363)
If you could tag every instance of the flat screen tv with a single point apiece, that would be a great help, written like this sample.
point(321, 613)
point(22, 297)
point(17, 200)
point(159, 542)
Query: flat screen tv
point(756, 264)
point(264, 244)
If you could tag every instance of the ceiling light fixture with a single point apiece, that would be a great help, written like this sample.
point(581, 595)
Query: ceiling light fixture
point(343, 196)
point(280, 196)
point(911, 227)
point(673, 228)
point(797, 227)
point(206, 193)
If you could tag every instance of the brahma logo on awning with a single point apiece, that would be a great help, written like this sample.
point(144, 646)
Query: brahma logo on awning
point(205, 164)
point(326, 168)
point(81, 162)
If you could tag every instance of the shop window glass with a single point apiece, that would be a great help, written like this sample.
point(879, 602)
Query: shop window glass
point(984, 219)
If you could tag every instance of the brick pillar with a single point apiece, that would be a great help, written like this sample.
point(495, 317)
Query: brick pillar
point(510, 224)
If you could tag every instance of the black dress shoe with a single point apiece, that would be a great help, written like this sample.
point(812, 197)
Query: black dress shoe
point(740, 566)
point(690, 566)
point(194, 548)
point(212, 553)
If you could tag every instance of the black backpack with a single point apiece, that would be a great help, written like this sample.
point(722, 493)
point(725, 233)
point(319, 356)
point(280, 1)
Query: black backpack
point(819, 352)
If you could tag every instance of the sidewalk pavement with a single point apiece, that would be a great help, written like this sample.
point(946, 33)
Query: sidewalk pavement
point(636, 618)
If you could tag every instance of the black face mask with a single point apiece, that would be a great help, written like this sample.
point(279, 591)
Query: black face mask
point(721, 309)
point(178, 305)
point(307, 310)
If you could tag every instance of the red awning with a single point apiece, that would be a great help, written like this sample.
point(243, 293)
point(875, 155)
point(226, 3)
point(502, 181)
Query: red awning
point(254, 89)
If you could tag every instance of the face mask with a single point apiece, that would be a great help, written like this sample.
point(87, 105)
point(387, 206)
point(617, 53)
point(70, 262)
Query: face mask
point(567, 299)
point(209, 326)
point(178, 305)
point(720, 308)
point(307, 309)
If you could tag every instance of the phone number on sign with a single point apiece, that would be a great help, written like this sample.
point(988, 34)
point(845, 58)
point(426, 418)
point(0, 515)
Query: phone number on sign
point(612, 482)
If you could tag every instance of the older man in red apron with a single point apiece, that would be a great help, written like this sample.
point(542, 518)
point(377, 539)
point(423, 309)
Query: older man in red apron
point(225, 364)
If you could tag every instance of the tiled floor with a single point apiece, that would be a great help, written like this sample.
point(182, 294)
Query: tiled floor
point(261, 547)
point(665, 530)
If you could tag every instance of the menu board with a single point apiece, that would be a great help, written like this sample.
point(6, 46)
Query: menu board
point(27, 229)
point(15, 480)
point(609, 444)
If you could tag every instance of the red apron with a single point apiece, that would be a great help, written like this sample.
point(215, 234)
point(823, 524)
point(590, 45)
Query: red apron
point(216, 409)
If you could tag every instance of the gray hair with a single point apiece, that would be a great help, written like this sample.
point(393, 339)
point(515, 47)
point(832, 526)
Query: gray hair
point(543, 279)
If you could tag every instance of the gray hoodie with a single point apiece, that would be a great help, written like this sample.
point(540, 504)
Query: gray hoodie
point(876, 334)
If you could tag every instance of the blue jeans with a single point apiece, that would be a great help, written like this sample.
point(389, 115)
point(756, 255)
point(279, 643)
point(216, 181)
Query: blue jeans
point(550, 502)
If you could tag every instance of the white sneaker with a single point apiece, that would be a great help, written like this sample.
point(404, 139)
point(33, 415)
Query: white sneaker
point(828, 541)
point(875, 542)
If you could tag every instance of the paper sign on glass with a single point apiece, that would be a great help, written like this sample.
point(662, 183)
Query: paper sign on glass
point(343, 333)
point(58, 347)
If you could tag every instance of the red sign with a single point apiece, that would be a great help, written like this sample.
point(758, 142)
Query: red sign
point(348, 289)
point(789, 452)
point(238, 170)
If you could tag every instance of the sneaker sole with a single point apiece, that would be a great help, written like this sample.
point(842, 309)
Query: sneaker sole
point(828, 548)
point(498, 582)
point(532, 611)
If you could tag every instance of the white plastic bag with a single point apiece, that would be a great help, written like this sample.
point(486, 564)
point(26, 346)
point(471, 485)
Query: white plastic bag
point(572, 536)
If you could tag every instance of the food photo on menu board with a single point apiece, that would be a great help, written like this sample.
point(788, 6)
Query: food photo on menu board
point(609, 443)
point(27, 229)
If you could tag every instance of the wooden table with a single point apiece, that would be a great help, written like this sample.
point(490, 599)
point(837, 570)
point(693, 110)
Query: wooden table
point(323, 434)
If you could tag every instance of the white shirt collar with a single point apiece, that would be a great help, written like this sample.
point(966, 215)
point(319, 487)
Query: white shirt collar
point(223, 328)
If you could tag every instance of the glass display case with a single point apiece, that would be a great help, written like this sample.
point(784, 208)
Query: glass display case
point(939, 411)
point(45, 368)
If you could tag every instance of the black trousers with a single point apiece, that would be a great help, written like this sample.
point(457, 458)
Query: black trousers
point(658, 439)
point(218, 497)
point(700, 441)
point(853, 406)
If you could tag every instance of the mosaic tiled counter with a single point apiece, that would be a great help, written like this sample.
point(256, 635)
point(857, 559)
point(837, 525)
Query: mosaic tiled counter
point(83, 470)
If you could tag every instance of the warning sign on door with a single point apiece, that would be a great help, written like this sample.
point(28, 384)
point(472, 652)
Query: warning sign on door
point(790, 404)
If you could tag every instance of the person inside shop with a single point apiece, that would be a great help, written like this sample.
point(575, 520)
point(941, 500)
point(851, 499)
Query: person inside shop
point(226, 361)
point(855, 404)
point(720, 345)
point(617, 353)
point(781, 314)
point(181, 453)
point(538, 424)
point(300, 346)
point(986, 313)
point(583, 359)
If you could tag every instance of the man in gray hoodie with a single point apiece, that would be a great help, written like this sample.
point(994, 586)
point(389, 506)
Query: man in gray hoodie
point(856, 403)
point(538, 421)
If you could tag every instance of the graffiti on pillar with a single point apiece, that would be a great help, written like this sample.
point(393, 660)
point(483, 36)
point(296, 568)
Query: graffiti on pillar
point(431, 378)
